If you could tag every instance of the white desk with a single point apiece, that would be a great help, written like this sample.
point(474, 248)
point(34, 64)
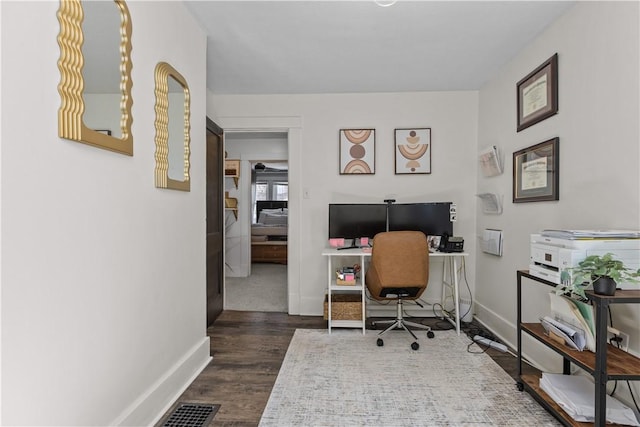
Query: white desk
point(358, 287)
point(451, 271)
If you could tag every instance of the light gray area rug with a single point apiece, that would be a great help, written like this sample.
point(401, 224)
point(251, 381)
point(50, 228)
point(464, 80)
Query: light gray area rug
point(344, 379)
point(264, 290)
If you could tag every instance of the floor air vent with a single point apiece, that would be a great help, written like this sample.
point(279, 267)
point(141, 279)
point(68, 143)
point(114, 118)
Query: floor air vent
point(192, 415)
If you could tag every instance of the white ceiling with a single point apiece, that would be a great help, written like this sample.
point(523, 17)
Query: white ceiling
point(288, 47)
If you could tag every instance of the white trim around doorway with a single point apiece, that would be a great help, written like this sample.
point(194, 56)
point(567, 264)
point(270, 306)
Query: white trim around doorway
point(292, 125)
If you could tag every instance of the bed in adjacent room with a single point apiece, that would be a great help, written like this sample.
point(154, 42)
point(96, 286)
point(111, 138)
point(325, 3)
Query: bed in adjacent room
point(269, 234)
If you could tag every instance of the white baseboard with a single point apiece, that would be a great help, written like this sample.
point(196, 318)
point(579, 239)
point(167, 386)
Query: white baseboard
point(293, 303)
point(310, 306)
point(149, 408)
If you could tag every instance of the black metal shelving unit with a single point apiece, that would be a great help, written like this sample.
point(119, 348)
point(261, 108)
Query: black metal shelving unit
point(607, 363)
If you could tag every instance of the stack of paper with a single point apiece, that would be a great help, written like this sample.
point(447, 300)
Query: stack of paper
point(576, 396)
point(491, 203)
point(566, 310)
point(573, 337)
point(491, 242)
point(490, 161)
point(592, 234)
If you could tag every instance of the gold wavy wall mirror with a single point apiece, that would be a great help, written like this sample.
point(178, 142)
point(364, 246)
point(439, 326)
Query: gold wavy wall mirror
point(95, 74)
point(173, 127)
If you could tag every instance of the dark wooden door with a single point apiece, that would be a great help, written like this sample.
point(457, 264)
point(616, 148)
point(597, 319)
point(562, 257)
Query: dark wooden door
point(215, 222)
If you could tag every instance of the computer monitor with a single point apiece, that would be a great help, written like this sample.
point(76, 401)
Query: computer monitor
point(352, 221)
point(433, 219)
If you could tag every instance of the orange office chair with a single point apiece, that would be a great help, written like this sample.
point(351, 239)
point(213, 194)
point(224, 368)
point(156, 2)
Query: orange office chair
point(399, 270)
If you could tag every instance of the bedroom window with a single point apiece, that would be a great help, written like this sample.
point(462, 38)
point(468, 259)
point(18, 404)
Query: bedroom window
point(262, 191)
point(272, 191)
point(269, 182)
point(281, 190)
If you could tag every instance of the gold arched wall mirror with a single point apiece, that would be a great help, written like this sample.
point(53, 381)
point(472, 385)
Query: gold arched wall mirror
point(172, 129)
point(95, 74)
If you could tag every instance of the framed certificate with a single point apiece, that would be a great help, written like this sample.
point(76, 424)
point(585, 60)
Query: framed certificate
point(536, 172)
point(538, 94)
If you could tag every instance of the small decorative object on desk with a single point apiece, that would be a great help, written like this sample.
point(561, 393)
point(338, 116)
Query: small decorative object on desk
point(434, 243)
point(336, 243)
point(346, 276)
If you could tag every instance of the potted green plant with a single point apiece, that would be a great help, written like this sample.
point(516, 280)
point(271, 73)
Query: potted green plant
point(601, 272)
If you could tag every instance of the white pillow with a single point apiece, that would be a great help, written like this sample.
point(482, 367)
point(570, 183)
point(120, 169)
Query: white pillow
point(267, 218)
point(277, 211)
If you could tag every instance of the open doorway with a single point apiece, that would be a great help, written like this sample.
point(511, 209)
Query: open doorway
point(256, 277)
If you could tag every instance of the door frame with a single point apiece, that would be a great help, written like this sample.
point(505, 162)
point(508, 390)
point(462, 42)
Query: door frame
point(212, 127)
point(292, 125)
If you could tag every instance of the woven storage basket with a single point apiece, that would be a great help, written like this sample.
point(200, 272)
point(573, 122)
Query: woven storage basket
point(344, 307)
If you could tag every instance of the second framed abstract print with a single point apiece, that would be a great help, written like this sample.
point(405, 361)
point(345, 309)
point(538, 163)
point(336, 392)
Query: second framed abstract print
point(357, 151)
point(413, 151)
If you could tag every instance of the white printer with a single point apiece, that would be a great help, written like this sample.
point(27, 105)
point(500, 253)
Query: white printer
point(554, 251)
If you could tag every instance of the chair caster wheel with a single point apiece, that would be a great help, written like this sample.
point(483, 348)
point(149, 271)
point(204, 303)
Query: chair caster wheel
point(430, 334)
point(415, 346)
point(520, 386)
point(380, 342)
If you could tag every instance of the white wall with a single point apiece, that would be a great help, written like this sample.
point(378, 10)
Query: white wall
point(313, 166)
point(598, 127)
point(1, 181)
point(103, 275)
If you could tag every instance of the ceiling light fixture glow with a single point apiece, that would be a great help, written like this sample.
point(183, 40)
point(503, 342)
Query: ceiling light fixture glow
point(385, 3)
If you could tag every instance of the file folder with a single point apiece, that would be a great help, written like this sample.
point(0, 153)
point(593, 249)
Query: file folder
point(564, 310)
point(573, 337)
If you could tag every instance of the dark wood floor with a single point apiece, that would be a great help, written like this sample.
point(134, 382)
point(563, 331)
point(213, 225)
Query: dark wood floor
point(248, 349)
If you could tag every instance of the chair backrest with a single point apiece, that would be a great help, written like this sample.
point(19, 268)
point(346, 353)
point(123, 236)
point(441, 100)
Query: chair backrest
point(399, 259)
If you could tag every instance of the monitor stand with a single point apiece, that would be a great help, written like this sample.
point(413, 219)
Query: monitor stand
point(354, 246)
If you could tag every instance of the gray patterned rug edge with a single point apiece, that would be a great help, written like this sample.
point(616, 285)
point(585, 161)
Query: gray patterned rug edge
point(344, 379)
